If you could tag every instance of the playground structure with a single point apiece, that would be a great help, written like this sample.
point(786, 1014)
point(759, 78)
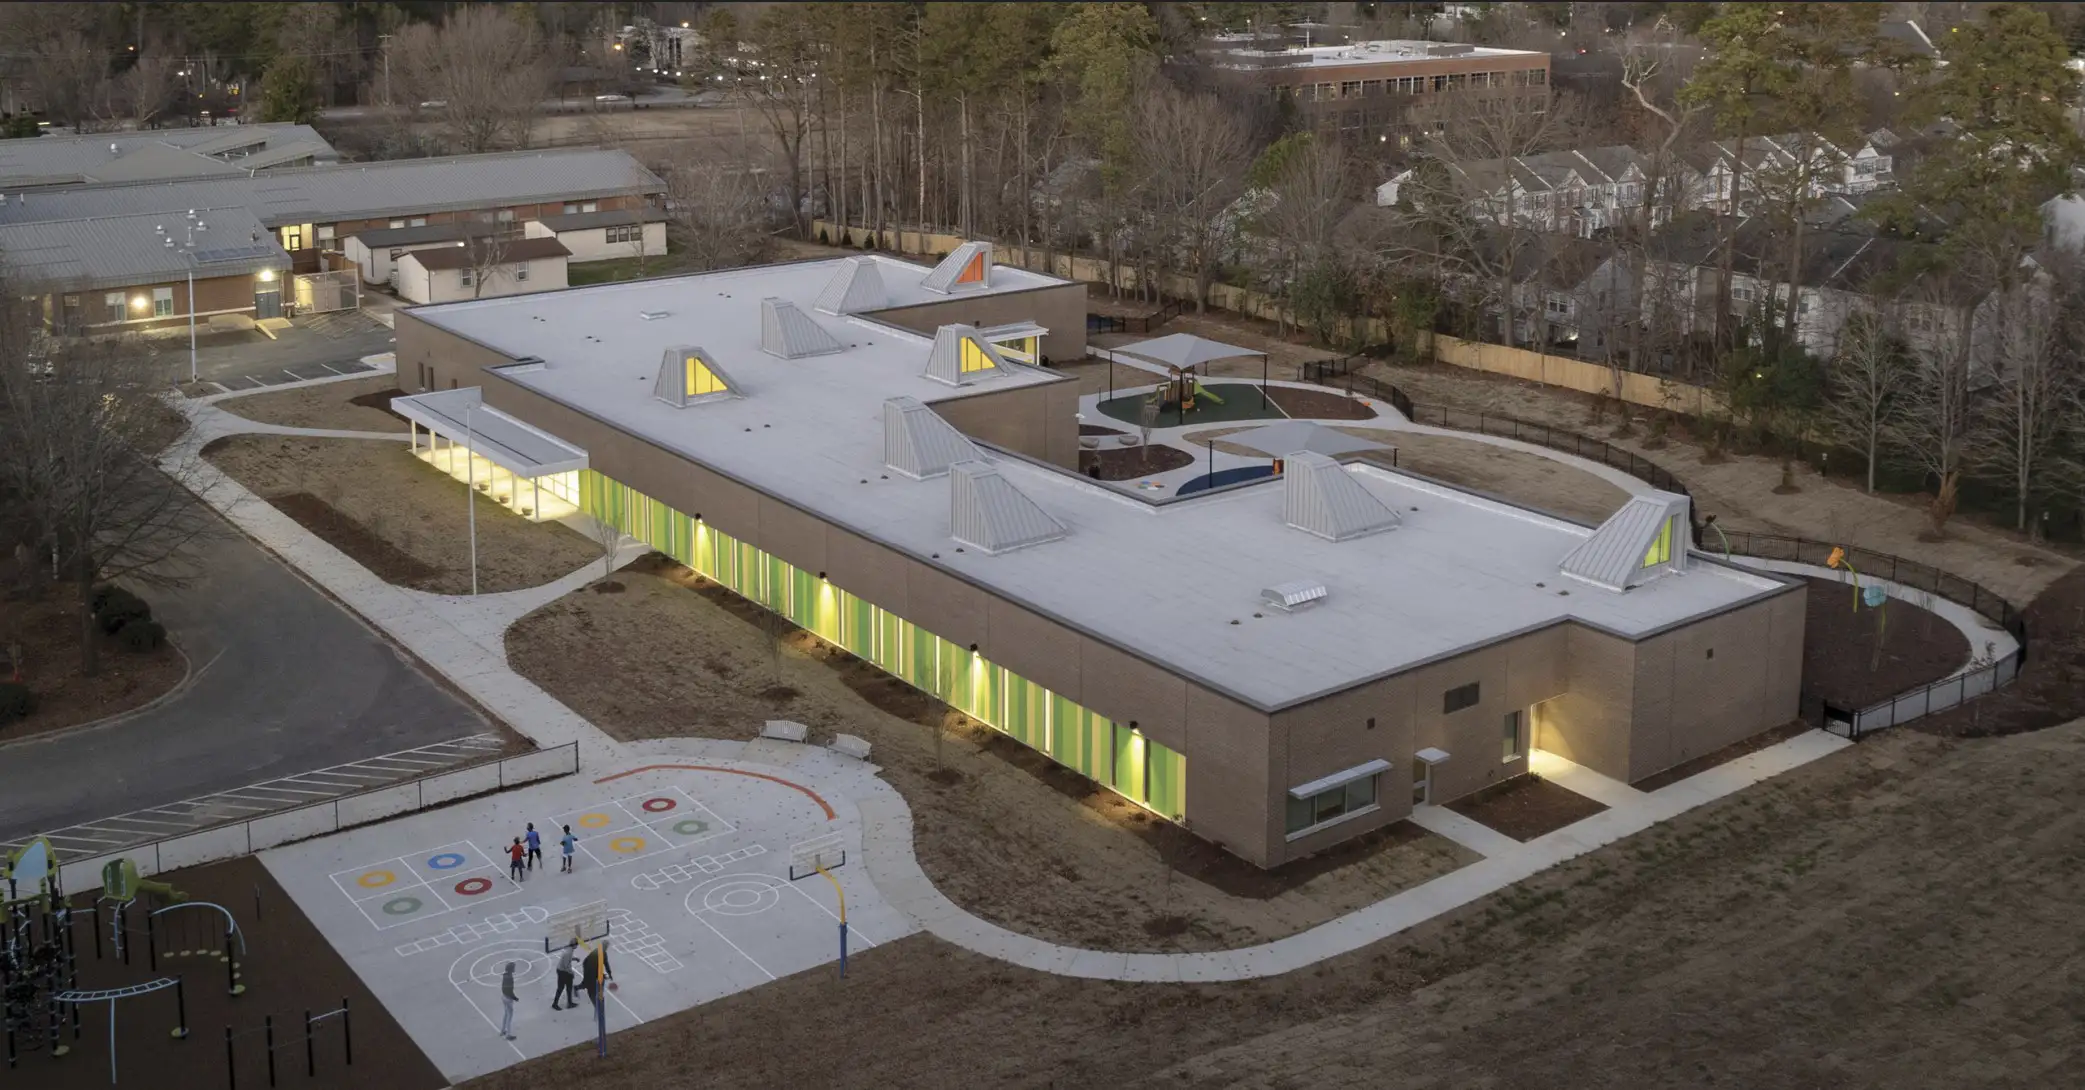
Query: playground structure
point(37, 955)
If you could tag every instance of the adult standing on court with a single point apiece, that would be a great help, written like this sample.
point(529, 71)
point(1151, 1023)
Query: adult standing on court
point(506, 1003)
point(595, 971)
point(568, 842)
point(535, 846)
point(565, 990)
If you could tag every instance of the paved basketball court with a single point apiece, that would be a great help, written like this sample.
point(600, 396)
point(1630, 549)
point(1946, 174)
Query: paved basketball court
point(689, 866)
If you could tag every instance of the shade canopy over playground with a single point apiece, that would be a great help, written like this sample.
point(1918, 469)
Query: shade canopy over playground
point(1186, 351)
point(1299, 436)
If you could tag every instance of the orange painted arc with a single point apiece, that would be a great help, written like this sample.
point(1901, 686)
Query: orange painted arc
point(814, 796)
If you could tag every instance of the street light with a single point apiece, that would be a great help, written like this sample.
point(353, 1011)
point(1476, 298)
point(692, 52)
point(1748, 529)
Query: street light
point(192, 226)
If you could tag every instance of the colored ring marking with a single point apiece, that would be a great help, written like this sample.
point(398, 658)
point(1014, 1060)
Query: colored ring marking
point(594, 820)
point(691, 826)
point(659, 806)
point(812, 795)
point(376, 879)
point(626, 844)
point(445, 861)
point(401, 906)
point(471, 887)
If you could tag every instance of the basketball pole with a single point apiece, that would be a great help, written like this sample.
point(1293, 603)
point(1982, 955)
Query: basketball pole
point(842, 894)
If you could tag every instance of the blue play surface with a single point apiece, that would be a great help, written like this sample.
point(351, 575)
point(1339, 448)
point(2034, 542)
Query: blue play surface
point(1223, 477)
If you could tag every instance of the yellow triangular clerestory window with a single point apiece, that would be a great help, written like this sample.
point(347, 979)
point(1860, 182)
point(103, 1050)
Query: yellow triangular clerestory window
point(974, 358)
point(700, 379)
point(1660, 551)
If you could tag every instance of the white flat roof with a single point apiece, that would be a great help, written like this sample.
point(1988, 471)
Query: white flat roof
point(1163, 581)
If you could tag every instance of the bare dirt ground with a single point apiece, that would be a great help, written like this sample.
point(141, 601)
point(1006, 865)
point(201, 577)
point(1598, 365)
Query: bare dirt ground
point(398, 516)
point(1526, 807)
point(332, 406)
point(1898, 914)
point(1854, 658)
point(999, 828)
point(1530, 480)
point(47, 628)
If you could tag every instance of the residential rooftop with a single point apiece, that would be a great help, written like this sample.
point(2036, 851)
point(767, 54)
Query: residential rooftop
point(329, 194)
point(1178, 583)
point(157, 154)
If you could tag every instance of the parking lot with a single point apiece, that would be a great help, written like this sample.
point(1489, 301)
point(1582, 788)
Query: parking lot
point(312, 347)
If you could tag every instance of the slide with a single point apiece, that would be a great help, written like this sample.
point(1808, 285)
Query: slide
point(120, 882)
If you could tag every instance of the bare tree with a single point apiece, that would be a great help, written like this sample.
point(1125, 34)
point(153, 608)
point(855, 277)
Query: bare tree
point(1296, 219)
point(1939, 418)
point(1868, 375)
point(2036, 392)
point(70, 73)
point(486, 67)
point(77, 450)
point(717, 213)
point(1195, 152)
point(488, 245)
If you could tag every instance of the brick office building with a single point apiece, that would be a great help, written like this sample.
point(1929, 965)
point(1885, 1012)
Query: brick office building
point(1390, 91)
point(1278, 665)
point(117, 273)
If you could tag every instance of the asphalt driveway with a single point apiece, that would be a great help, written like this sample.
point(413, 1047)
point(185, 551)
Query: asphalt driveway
point(286, 682)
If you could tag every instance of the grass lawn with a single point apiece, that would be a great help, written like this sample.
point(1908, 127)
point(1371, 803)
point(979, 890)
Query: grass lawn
point(624, 268)
point(343, 406)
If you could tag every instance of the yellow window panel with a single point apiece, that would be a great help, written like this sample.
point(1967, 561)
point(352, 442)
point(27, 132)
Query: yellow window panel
point(700, 380)
point(974, 358)
point(1660, 551)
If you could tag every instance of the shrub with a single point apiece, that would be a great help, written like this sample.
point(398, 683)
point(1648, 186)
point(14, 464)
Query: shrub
point(16, 701)
point(821, 236)
point(118, 607)
point(141, 634)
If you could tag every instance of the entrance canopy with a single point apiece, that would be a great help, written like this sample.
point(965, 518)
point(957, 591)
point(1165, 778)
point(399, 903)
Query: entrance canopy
point(1292, 437)
point(463, 418)
point(1186, 351)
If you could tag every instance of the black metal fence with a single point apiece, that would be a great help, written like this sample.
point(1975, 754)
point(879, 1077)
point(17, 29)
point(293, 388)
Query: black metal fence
point(1168, 310)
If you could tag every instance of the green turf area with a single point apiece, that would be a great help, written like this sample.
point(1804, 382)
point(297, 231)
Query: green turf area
point(1241, 401)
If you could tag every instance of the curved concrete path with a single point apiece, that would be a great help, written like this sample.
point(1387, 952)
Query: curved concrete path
point(463, 639)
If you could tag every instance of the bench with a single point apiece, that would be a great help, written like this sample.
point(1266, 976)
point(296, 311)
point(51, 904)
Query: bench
point(783, 730)
point(847, 745)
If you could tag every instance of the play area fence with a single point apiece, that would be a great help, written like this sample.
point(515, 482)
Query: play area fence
point(236, 838)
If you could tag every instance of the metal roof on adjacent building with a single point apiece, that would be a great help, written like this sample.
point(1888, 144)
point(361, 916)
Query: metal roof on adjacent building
point(329, 194)
point(581, 221)
point(480, 251)
point(157, 154)
point(126, 251)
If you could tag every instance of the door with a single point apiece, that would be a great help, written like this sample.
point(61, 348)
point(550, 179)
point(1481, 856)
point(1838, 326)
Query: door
point(1422, 783)
point(267, 304)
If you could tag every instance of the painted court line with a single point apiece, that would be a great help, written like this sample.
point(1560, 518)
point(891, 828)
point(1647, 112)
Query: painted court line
point(727, 941)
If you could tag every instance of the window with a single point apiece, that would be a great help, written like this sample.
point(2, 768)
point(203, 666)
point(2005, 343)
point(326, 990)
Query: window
point(570, 209)
point(468, 277)
point(1350, 89)
point(699, 380)
point(590, 206)
point(396, 224)
point(113, 301)
point(521, 271)
point(1510, 736)
point(974, 358)
point(1458, 698)
point(293, 238)
point(162, 302)
point(1371, 88)
point(1348, 798)
point(631, 233)
point(397, 252)
point(506, 215)
point(1538, 77)
point(1660, 551)
point(1557, 307)
point(419, 221)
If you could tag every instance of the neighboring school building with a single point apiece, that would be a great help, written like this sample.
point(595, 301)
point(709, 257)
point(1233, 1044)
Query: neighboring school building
point(482, 268)
point(117, 273)
point(1279, 666)
point(221, 151)
point(605, 235)
point(1391, 90)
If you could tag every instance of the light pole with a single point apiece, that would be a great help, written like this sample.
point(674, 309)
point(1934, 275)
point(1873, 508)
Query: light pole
point(470, 490)
point(193, 226)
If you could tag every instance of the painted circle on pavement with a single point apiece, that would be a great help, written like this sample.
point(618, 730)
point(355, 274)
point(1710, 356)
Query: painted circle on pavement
point(445, 861)
point(471, 887)
point(401, 906)
point(737, 897)
point(593, 820)
point(487, 968)
point(626, 844)
point(691, 826)
point(376, 879)
point(659, 805)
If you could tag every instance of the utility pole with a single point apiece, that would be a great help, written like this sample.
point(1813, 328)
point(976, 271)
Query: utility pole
point(384, 45)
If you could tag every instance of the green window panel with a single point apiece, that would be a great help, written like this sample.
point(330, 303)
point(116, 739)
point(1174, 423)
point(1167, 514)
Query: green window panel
point(1128, 771)
point(1069, 742)
point(890, 648)
point(1166, 772)
point(1024, 711)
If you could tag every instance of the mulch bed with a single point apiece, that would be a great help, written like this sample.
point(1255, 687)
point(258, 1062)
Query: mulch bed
point(1730, 752)
point(1318, 404)
point(1130, 463)
point(1840, 664)
point(388, 561)
point(1526, 807)
point(49, 630)
point(2050, 690)
point(1096, 429)
point(288, 968)
point(380, 401)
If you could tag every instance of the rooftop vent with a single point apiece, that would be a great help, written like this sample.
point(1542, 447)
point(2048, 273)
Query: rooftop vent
point(689, 375)
point(961, 356)
point(1647, 538)
point(918, 443)
point(789, 333)
point(987, 512)
point(654, 315)
point(1322, 498)
point(966, 268)
point(856, 288)
point(1294, 596)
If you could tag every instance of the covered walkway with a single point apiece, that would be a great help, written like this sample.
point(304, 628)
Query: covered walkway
point(526, 469)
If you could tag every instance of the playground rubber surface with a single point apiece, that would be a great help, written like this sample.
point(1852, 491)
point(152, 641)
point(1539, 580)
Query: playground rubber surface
point(288, 968)
point(1241, 401)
